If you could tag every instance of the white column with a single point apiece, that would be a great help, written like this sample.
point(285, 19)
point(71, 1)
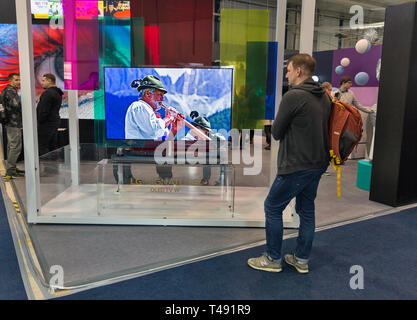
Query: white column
point(30, 131)
point(280, 38)
point(73, 136)
point(307, 26)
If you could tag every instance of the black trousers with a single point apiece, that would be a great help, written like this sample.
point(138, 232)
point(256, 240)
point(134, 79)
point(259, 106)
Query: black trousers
point(268, 133)
point(47, 139)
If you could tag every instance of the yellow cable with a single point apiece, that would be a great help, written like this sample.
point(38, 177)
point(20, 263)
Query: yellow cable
point(339, 194)
point(336, 166)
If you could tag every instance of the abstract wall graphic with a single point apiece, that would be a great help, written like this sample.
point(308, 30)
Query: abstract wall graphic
point(47, 50)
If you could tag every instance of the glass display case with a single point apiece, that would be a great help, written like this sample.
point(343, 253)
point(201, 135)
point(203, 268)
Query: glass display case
point(108, 188)
point(134, 188)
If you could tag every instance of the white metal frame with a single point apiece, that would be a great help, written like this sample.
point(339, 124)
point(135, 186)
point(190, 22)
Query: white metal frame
point(30, 132)
point(24, 23)
point(307, 26)
point(73, 136)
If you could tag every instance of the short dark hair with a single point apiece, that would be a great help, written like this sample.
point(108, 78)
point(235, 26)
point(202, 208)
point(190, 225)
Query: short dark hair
point(345, 79)
point(11, 75)
point(50, 77)
point(305, 61)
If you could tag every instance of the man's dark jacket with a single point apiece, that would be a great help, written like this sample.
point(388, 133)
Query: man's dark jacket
point(301, 126)
point(12, 107)
point(48, 107)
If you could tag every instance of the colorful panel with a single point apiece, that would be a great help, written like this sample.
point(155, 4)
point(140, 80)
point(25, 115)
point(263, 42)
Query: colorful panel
point(271, 81)
point(240, 32)
point(115, 50)
point(185, 29)
point(81, 45)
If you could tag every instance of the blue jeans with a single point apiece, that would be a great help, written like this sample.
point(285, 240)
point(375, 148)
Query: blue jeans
point(303, 186)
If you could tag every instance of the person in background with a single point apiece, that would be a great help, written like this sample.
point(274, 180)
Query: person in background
point(301, 126)
point(328, 86)
point(267, 129)
point(13, 125)
point(346, 95)
point(111, 8)
point(47, 112)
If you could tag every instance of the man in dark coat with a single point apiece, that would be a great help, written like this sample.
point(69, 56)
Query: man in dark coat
point(48, 114)
point(13, 124)
point(301, 126)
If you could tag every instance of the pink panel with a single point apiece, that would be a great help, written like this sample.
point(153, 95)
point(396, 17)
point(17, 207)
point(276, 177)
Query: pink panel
point(367, 96)
point(81, 45)
point(152, 45)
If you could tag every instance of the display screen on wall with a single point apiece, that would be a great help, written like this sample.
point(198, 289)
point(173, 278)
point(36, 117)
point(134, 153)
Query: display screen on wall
point(117, 9)
point(205, 90)
point(45, 9)
point(55, 9)
point(40, 8)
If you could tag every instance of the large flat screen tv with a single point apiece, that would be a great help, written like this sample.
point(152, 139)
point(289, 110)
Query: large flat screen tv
point(207, 90)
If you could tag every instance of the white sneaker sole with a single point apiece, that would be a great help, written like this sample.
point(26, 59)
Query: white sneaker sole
point(264, 269)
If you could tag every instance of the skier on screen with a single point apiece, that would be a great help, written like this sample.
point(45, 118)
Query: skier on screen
point(142, 120)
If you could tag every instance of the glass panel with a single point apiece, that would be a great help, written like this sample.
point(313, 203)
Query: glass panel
point(132, 186)
point(60, 197)
point(128, 189)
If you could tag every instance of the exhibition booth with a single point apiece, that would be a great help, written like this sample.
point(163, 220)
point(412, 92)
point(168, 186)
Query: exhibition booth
point(221, 64)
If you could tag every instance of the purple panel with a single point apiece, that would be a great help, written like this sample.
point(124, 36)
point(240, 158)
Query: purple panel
point(366, 62)
point(81, 45)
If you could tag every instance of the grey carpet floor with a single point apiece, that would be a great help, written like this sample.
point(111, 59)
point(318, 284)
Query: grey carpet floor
point(94, 252)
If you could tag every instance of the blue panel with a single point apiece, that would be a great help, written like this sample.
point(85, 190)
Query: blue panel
point(271, 81)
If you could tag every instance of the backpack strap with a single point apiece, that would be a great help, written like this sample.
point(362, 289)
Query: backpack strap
point(336, 166)
point(334, 159)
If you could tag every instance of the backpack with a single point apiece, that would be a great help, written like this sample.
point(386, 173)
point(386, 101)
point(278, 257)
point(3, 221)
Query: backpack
point(345, 132)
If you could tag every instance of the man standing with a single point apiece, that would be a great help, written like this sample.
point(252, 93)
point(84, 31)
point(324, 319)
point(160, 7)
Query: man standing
point(13, 124)
point(346, 95)
point(301, 126)
point(142, 121)
point(48, 114)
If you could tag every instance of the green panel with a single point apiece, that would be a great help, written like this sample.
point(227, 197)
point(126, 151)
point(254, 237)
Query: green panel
point(138, 41)
point(115, 51)
point(256, 75)
point(244, 45)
